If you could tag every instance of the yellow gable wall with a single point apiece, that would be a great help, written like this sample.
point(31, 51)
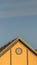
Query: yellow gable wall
point(5, 59)
point(32, 58)
point(19, 59)
point(16, 59)
point(23, 59)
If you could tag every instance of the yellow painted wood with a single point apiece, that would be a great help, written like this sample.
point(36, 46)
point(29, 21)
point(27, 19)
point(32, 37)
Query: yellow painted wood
point(5, 59)
point(32, 58)
point(19, 59)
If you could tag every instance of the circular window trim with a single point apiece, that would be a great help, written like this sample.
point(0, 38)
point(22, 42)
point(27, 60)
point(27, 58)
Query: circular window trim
point(18, 52)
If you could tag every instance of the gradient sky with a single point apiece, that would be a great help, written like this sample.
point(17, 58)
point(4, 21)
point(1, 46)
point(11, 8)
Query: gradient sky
point(18, 18)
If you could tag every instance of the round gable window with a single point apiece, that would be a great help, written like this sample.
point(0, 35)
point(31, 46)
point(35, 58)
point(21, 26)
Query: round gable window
point(18, 51)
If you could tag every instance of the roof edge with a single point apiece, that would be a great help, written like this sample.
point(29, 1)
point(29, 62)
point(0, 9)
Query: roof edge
point(25, 43)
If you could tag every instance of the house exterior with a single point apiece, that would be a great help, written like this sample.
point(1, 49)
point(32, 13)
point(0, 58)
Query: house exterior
point(18, 52)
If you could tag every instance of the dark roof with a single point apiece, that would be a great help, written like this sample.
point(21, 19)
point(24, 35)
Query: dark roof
point(2, 48)
point(10, 44)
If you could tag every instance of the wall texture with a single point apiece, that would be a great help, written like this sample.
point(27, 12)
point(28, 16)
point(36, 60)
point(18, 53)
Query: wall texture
point(5, 59)
point(18, 57)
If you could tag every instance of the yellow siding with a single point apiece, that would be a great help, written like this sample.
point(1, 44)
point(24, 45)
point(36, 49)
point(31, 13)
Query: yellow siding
point(16, 59)
point(19, 59)
point(32, 58)
point(5, 59)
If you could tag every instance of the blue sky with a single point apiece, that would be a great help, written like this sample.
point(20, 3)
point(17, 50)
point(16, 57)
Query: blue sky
point(18, 18)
